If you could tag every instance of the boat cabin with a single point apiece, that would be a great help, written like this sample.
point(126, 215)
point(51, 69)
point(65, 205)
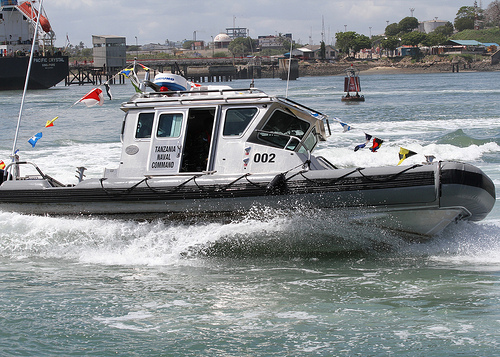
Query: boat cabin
point(221, 130)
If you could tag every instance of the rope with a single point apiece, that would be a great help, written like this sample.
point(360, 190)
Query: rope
point(176, 188)
point(127, 191)
point(358, 169)
point(233, 182)
point(253, 183)
point(390, 177)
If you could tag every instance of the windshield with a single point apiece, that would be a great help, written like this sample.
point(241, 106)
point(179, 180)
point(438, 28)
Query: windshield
point(281, 129)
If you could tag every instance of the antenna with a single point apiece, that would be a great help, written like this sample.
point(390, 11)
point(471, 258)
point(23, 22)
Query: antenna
point(323, 29)
point(289, 67)
point(14, 156)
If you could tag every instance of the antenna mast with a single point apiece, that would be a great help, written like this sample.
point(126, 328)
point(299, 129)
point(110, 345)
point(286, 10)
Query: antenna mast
point(323, 29)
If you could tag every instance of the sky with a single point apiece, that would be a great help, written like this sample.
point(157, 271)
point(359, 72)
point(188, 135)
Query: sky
point(155, 21)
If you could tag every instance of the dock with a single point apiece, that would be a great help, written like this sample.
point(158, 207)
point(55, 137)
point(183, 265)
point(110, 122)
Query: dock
point(194, 70)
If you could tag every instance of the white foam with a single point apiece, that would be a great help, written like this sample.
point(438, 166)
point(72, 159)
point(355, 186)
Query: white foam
point(389, 156)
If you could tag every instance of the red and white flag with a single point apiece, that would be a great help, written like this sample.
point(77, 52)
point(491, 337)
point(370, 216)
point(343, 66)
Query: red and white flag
point(92, 98)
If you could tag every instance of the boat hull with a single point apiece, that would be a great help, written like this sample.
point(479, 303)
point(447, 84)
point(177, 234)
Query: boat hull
point(46, 72)
point(420, 200)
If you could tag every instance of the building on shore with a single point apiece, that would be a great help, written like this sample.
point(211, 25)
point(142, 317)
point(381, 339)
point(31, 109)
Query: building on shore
point(313, 52)
point(429, 26)
point(109, 51)
point(222, 40)
point(273, 42)
point(235, 32)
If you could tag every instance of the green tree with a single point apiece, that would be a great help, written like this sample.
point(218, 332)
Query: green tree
point(445, 30)
point(345, 40)
point(87, 52)
point(408, 24)
point(187, 44)
point(322, 50)
point(361, 42)
point(242, 46)
point(434, 39)
point(413, 38)
point(390, 43)
point(286, 45)
point(392, 29)
point(465, 18)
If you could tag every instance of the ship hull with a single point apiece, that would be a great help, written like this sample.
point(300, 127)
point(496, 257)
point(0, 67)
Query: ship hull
point(46, 72)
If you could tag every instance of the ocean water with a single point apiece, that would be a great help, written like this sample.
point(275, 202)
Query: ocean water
point(103, 287)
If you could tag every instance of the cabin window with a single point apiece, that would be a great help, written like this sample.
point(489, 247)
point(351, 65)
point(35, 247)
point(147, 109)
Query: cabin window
point(237, 120)
point(282, 129)
point(309, 143)
point(144, 125)
point(169, 126)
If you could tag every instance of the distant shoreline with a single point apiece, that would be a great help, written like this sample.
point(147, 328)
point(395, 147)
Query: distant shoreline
point(385, 67)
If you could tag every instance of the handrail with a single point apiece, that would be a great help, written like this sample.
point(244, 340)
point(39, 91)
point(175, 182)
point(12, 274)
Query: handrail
point(221, 91)
point(327, 163)
point(163, 96)
point(50, 179)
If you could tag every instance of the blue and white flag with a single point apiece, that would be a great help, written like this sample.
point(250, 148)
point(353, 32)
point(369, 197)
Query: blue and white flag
point(34, 139)
point(345, 126)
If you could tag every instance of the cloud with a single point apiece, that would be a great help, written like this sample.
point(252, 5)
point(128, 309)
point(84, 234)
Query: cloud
point(158, 20)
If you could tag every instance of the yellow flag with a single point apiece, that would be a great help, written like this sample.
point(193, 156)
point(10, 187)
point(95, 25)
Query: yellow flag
point(50, 122)
point(404, 153)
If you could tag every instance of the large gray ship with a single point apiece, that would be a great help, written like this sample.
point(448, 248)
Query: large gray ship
point(18, 20)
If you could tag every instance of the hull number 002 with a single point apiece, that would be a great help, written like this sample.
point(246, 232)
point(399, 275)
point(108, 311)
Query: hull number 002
point(264, 158)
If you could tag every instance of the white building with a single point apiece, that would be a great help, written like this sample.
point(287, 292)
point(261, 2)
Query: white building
point(273, 41)
point(314, 52)
point(429, 26)
point(222, 40)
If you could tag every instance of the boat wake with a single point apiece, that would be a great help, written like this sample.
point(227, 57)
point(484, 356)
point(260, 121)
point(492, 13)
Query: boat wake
point(262, 232)
point(464, 245)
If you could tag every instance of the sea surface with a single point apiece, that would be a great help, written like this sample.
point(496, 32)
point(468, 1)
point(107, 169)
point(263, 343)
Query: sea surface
point(90, 286)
